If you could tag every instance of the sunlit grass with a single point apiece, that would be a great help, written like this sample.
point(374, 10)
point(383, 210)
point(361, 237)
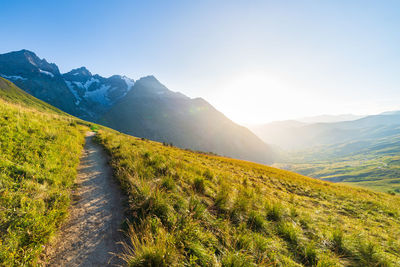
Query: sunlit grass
point(197, 209)
point(39, 153)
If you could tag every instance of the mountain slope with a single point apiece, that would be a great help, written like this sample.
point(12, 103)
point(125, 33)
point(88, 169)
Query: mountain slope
point(304, 136)
point(77, 92)
point(37, 77)
point(185, 207)
point(12, 94)
point(150, 110)
point(202, 210)
point(39, 152)
point(94, 94)
point(330, 118)
point(147, 109)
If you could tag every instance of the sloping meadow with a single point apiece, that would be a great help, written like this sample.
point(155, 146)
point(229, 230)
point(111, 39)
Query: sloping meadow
point(39, 154)
point(192, 209)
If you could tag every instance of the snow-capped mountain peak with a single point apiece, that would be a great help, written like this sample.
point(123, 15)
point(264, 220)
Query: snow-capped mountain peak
point(82, 71)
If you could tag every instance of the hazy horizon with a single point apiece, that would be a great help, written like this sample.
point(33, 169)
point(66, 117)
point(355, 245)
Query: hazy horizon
point(256, 63)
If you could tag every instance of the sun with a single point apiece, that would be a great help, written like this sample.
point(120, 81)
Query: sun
point(256, 97)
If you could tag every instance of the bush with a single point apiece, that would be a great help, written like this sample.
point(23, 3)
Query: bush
point(338, 241)
point(288, 232)
point(368, 254)
point(94, 128)
point(328, 260)
point(196, 208)
point(208, 174)
point(243, 241)
point(310, 254)
point(199, 185)
point(222, 198)
point(274, 212)
point(149, 250)
point(236, 260)
point(168, 183)
point(239, 208)
point(198, 253)
point(255, 221)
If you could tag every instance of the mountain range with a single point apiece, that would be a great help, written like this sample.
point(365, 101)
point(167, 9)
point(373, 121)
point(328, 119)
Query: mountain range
point(185, 208)
point(362, 152)
point(330, 118)
point(143, 108)
point(295, 135)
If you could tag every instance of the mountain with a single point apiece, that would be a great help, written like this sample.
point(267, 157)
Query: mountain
point(150, 110)
point(37, 77)
point(186, 208)
point(363, 152)
point(94, 94)
point(278, 133)
point(12, 94)
point(330, 118)
point(77, 92)
point(145, 108)
point(299, 136)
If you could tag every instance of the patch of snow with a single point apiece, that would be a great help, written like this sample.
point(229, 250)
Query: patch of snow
point(31, 61)
point(79, 84)
point(76, 73)
point(13, 77)
point(129, 82)
point(47, 73)
point(89, 82)
point(75, 93)
point(99, 95)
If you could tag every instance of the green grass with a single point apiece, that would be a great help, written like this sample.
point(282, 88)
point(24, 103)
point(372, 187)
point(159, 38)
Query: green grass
point(376, 166)
point(12, 94)
point(191, 209)
point(39, 153)
point(380, 173)
point(185, 208)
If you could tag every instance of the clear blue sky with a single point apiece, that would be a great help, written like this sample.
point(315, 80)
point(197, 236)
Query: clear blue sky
point(256, 61)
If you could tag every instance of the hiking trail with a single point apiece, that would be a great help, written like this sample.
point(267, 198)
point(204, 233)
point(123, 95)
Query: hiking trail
point(91, 234)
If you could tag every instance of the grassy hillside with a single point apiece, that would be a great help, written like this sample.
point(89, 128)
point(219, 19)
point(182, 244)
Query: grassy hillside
point(374, 164)
point(194, 209)
point(186, 208)
point(12, 94)
point(39, 152)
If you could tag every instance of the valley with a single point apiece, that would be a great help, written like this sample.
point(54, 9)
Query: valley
point(183, 207)
point(199, 133)
point(362, 152)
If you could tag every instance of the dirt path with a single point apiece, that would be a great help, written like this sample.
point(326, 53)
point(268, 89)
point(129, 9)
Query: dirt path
point(89, 238)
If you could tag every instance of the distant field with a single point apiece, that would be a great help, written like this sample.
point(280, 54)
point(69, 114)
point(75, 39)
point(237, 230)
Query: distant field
point(376, 166)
